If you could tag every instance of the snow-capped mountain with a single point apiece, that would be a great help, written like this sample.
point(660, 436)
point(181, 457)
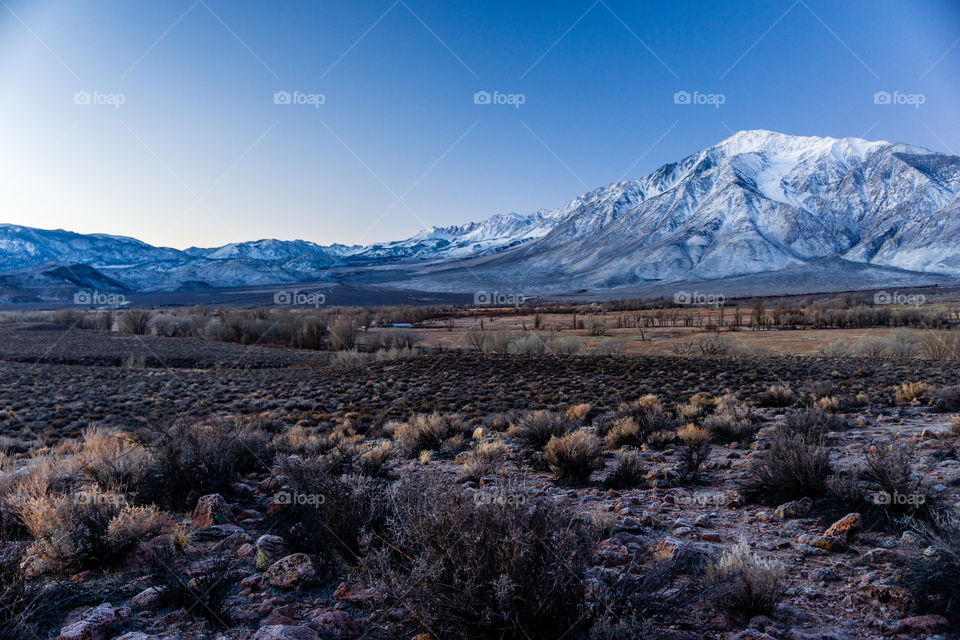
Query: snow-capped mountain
point(756, 202)
point(496, 233)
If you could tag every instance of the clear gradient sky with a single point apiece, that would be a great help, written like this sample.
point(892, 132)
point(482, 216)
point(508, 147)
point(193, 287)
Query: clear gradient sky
point(199, 153)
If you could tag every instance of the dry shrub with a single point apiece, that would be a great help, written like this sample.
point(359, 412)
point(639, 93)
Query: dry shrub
point(627, 472)
point(933, 577)
point(302, 441)
point(946, 398)
point(372, 462)
point(625, 432)
point(596, 326)
point(205, 595)
point(90, 528)
point(31, 609)
point(111, 458)
point(171, 326)
point(68, 317)
point(660, 439)
point(633, 600)
point(778, 395)
point(427, 432)
point(535, 429)
point(343, 334)
point(725, 427)
point(910, 391)
point(136, 524)
point(573, 457)
point(135, 321)
point(516, 569)
point(744, 584)
point(481, 461)
point(322, 513)
point(637, 421)
point(827, 403)
point(579, 412)
point(902, 491)
point(792, 468)
point(940, 345)
point(809, 424)
point(695, 450)
point(187, 460)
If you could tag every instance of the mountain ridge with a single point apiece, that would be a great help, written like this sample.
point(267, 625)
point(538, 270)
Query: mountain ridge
point(756, 202)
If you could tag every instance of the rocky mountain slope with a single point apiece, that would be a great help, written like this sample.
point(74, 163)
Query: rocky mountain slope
point(756, 203)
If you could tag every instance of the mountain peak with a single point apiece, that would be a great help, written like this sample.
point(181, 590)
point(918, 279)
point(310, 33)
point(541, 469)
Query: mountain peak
point(762, 140)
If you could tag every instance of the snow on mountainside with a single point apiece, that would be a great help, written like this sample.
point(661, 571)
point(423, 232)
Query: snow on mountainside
point(756, 202)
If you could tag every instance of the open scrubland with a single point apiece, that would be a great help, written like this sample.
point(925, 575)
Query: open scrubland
point(567, 472)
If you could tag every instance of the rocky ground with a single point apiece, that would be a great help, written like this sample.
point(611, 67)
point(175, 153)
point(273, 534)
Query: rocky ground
point(845, 564)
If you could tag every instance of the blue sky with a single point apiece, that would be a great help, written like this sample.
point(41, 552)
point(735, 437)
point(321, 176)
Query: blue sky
point(182, 142)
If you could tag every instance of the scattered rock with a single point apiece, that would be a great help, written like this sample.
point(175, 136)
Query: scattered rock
point(269, 550)
point(335, 624)
point(881, 556)
point(796, 509)
point(922, 625)
point(888, 594)
point(149, 598)
point(210, 510)
point(280, 616)
point(292, 571)
point(285, 632)
point(846, 527)
point(351, 592)
point(97, 623)
point(832, 544)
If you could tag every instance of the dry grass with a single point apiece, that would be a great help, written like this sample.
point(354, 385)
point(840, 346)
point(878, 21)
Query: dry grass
point(910, 391)
point(745, 584)
point(535, 429)
point(573, 457)
point(517, 569)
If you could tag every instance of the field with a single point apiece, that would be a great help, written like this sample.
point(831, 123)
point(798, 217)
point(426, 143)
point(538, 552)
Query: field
point(504, 473)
